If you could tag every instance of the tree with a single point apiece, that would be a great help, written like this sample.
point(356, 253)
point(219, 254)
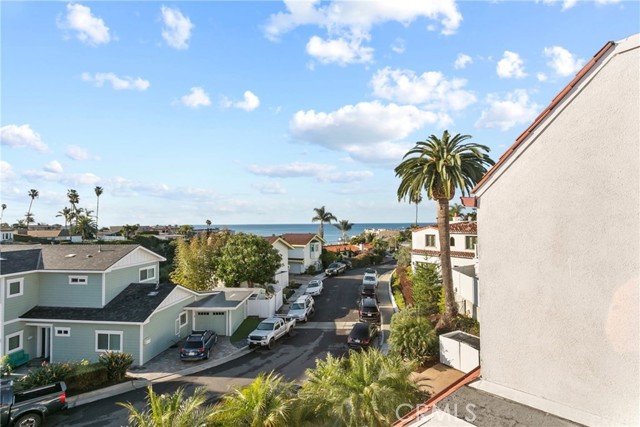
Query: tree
point(171, 410)
point(66, 213)
point(186, 230)
point(34, 195)
point(266, 402)
point(195, 261)
point(248, 258)
point(85, 225)
point(343, 225)
point(208, 222)
point(426, 286)
point(417, 199)
point(455, 210)
point(363, 389)
point(323, 216)
point(440, 166)
point(98, 191)
point(74, 199)
point(4, 206)
point(129, 231)
point(412, 337)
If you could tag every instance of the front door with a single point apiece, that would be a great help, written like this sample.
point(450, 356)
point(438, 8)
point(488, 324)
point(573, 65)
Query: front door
point(44, 341)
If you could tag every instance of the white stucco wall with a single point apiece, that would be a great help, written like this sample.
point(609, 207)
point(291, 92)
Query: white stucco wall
point(559, 226)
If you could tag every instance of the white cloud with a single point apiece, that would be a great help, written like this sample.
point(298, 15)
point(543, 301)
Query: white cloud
point(270, 188)
point(78, 153)
point(514, 109)
point(398, 46)
point(21, 137)
point(542, 77)
point(117, 83)
point(250, 102)
point(511, 65)
point(89, 29)
point(6, 172)
point(345, 177)
point(566, 4)
point(177, 28)
point(430, 88)
point(321, 172)
point(339, 15)
point(462, 61)
point(604, 2)
point(54, 166)
point(342, 50)
point(563, 62)
point(197, 98)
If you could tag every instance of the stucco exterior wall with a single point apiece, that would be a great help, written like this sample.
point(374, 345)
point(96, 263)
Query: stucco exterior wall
point(560, 253)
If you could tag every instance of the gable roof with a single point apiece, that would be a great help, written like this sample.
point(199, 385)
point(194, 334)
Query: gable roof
point(462, 227)
point(300, 239)
point(273, 239)
point(133, 305)
point(224, 299)
point(546, 112)
point(25, 258)
point(43, 234)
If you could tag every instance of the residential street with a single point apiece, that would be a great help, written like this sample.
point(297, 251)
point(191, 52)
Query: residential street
point(291, 356)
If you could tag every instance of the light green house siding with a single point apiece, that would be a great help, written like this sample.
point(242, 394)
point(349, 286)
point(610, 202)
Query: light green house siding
point(18, 305)
point(118, 280)
point(214, 320)
point(160, 332)
point(55, 290)
point(81, 342)
point(237, 316)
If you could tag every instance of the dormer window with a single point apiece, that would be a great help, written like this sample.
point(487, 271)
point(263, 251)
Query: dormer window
point(147, 273)
point(78, 280)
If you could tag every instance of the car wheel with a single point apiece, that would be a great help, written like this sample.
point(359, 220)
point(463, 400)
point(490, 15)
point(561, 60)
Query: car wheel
point(271, 344)
point(304, 320)
point(208, 354)
point(290, 332)
point(28, 420)
point(216, 340)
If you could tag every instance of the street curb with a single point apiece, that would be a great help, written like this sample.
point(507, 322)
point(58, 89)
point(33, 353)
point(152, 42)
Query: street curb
point(114, 390)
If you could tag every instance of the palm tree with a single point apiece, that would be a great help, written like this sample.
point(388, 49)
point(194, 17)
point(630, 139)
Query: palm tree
point(171, 410)
point(28, 219)
point(99, 192)
point(343, 225)
point(33, 193)
point(440, 166)
point(323, 216)
point(74, 199)
point(208, 222)
point(266, 402)
point(417, 199)
point(85, 225)
point(66, 213)
point(4, 206)
point(455, 211)
point(364, 389)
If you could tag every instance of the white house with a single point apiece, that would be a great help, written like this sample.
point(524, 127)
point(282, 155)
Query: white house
point(6, 234)
point(283, 248)
point(307, 248)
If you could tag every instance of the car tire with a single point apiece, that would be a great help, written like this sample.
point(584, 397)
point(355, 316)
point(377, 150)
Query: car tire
point(28, 420)
point(290, 332)
point(271, 344)
point(208, 354)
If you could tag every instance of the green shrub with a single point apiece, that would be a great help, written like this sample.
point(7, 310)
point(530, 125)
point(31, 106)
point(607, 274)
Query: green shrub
point(5, 366)
point(116, 364)
point(311, 270)
point(86, 377)
point(412, 336)
point(468, 325)
point(294, 285)
point(397, 295)
point(46, 374)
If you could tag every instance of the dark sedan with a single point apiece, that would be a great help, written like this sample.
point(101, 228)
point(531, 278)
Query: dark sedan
point(198, 345)
point(362, 336)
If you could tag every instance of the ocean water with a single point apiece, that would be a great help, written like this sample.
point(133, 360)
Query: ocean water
point(331, 233)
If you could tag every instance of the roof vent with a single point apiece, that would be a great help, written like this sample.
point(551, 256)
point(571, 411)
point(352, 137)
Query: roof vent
point(153, 293)
point(70, 255)
point(89, 256)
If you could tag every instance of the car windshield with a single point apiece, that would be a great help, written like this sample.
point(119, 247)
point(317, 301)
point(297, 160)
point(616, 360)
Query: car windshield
point(313, 285)
point(297, 306)
point(265, 326)
point(193, 344)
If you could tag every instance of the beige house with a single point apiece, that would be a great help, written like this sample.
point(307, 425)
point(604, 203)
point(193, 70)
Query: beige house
point(307, 248)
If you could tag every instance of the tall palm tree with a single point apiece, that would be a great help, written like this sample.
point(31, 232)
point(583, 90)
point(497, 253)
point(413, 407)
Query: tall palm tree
point(417, 199)
point(208, 222)
point(440, 166)
point(170, 410)
point(4, 206)
point(343, 225)
point(66, 213)
point(33, 193)
point(99, 192)
point(364, 389)
point(266, 402)
point(74, 199)
point(323, 216)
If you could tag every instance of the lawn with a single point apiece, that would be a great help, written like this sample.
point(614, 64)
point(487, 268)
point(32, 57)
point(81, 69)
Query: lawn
point(247, 326)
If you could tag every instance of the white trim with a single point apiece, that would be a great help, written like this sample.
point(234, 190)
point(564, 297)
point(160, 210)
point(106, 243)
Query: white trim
point(104, 289)
point(141, 345)
point(58, 331)
point(103, 332)
point(80, 280)
point(20, 334)
point(19, 280)
point(148, 279)
point(158, 310)
point(72, 321)
point(186, 319)
point(176, 327)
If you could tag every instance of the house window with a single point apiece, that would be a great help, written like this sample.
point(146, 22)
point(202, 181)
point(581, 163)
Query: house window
point(15, 288)
point(14, 342)
point(78, 280)
point(430, 240)
point(452, 241)
point(471, 242)
point(183, 319)
point(109, 341)
point(63, 332)
point(147, 273)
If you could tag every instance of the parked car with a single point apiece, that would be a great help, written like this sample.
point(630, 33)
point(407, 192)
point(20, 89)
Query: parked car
point(370, 279)
point(301, 309)
point(371, 271)
point(362, 336)
point(346, 262)
point(335, 268)
point(314, 288)
point(198, 345)
point(369, 311)
point(369, 291)
point(270, 330)
point(30, 407)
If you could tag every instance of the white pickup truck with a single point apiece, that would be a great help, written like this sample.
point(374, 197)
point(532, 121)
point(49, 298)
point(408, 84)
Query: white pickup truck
point(269, 330)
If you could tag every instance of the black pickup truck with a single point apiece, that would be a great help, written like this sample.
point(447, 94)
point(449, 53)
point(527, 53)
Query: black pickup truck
point(30, 407)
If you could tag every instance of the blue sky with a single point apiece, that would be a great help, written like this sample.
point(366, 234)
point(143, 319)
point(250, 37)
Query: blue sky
point(258, 112)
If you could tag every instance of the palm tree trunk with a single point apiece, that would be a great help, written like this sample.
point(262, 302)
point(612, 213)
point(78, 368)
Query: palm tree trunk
point(322, 229)
point(450, 312)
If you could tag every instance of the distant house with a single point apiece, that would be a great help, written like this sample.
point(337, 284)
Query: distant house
point(73, 302)
point(559, 252)
point(348, 250)
point(283, 247)
point(307, 248)
point(6, 234)
point(55, 235)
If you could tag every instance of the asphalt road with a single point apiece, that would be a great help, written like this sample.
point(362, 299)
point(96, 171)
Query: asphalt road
point(291, 356)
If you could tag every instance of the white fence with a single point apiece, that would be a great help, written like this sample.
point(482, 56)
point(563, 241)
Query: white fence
point(460, 350)
point(263, 307)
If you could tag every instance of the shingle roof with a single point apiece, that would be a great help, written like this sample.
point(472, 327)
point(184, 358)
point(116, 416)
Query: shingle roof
point(223, 299)
point(26, 258)
point(462, 227)
point(299, 239)
point(48, 233)
point(133, 305)
point(274, 238)
point(455, 254)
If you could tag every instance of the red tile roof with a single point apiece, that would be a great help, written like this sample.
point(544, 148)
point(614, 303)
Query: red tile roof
point(273, 239)
point(455, 254)
point(545, 113)
point(463, 227)
point(299, 239)
point(352, 248)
